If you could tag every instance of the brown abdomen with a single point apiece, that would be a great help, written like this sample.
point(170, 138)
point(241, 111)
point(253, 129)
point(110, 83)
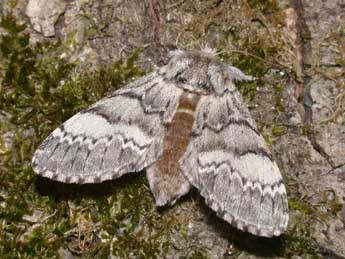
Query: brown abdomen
point(165, 177)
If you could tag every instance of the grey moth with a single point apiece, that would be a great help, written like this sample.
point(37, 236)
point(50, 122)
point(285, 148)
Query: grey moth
point(187, 125)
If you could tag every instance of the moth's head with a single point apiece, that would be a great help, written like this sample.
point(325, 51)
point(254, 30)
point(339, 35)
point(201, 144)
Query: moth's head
point(201, 72)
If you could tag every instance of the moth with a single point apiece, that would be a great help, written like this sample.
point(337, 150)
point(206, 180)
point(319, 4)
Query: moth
point(187, 125)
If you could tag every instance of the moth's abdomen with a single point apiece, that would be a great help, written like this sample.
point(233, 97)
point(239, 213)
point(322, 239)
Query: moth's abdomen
point(165, 177)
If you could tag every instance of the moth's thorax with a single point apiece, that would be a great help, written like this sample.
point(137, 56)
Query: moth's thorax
point(200, 72)
point(165, 177)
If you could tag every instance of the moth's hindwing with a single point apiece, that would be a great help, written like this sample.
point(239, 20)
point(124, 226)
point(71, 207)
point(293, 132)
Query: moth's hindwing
point(228, 161)
point(119, 134)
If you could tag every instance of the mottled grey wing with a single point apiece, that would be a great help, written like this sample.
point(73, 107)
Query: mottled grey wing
point(121, 133)
point(228, 161)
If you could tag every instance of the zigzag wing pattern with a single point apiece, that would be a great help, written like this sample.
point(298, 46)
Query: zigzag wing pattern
point(121, 133)
point(228, 161)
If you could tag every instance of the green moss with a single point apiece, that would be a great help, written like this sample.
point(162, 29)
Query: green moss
point(306, 129)
point(296, 204)
point(331, 202)
point(335, 207)
point(299, 240)
point(278, 130)
point(300, 245)
point(248, 89)
point(265, 6)
point(121, 214)
point(252, 60)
